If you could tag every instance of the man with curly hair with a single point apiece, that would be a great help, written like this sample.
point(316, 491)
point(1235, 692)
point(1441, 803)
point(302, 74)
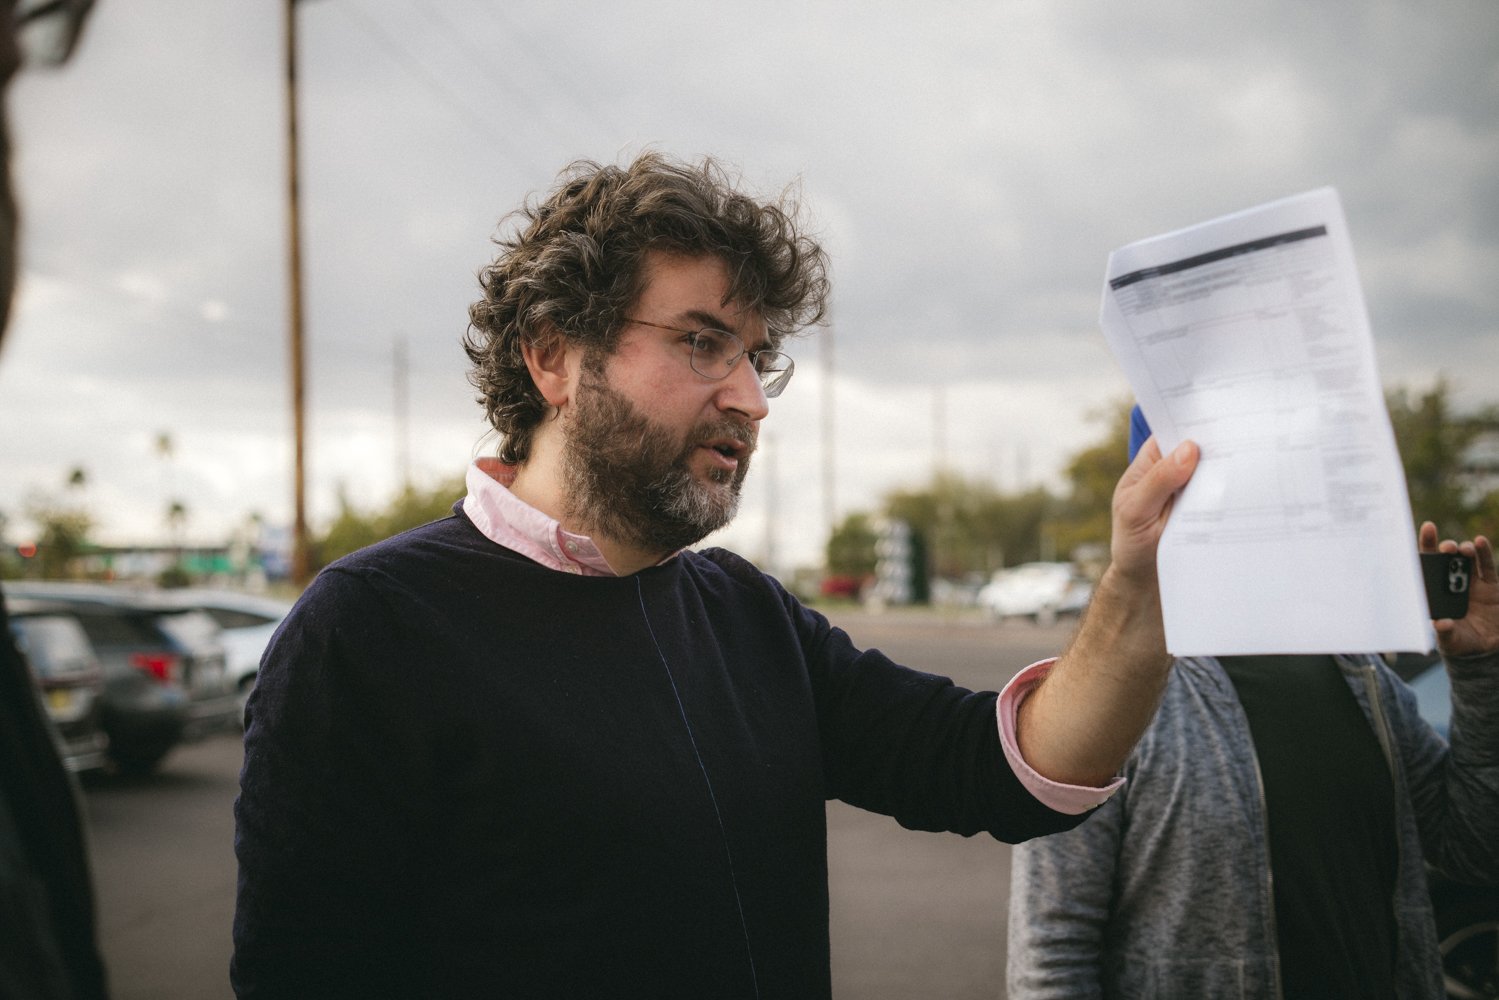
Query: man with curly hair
point(541, 748)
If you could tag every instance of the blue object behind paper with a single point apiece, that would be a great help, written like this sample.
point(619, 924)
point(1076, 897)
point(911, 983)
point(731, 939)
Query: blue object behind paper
point(1139, 430)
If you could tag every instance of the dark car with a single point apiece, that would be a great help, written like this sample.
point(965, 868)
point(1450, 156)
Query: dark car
point(215, 703)
point(69, 681)
point(144, 704)
point(1467, 916)
point(164, 676)
point(246, 623)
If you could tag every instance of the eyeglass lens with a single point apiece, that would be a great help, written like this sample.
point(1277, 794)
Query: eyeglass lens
point(715, 352)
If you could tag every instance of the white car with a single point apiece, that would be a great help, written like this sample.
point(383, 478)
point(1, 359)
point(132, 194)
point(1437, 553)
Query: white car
point(1041, 591)
point(246, 623)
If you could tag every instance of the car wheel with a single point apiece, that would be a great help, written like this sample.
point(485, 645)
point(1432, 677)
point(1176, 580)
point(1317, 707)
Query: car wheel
point(1469, 934)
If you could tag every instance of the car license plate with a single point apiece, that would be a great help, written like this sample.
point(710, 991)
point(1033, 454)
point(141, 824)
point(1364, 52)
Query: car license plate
point(63, 704)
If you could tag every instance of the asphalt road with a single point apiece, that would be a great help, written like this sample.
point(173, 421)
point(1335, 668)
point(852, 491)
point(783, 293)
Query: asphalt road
point(913, 914)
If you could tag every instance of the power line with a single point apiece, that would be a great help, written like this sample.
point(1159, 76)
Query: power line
point(560, 84)
point(487, 64)
point(439, 89)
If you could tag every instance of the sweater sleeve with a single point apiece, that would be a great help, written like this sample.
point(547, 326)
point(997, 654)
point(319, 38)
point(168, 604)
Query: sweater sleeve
point(1061, 898)
point(913, 745)
point(1455, 787)
point(327, 797)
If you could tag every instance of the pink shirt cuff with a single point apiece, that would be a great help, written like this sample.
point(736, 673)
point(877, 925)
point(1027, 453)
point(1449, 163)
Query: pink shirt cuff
point(1068, 799)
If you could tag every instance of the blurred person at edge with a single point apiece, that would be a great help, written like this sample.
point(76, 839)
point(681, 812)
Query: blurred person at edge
point(541, 748)
point(48, 948)
point(1316, 770)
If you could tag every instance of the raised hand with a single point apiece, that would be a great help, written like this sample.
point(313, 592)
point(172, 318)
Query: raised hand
point(1478, 631)
point(1142, 503)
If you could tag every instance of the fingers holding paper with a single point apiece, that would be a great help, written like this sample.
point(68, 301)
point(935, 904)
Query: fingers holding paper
point(1142, 504)
point(1478, 631)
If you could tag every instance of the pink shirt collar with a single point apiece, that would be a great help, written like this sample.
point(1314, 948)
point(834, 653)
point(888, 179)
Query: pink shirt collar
point(506, 519)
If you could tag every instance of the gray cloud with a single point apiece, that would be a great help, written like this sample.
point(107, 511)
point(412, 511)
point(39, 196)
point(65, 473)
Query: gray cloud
point(970, 167)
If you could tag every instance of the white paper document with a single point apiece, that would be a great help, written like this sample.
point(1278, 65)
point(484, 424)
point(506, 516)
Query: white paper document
point(1248, 334)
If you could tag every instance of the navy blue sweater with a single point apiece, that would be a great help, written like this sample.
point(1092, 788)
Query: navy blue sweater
point(469, 775)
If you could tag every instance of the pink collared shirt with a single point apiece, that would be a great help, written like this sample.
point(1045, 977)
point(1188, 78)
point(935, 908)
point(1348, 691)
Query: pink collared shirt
point(507, 520)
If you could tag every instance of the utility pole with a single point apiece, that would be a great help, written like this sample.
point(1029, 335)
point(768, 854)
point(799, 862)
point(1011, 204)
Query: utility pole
point(939, 430)
point(829, 500)
point(399, 398)
point(941, 488)
point(301, 562)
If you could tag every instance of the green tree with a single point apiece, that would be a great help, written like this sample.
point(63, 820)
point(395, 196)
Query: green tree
point(1086, 515)
point(350, 531)
point(850, 549)
point(354, 529)
point(1027, 526)
point(968, 526)
point(62, 537)
point(413, 507)
point(175, 575)
point(10, 562)
point(62, 528)
point(1434, 445)
point(176, 518)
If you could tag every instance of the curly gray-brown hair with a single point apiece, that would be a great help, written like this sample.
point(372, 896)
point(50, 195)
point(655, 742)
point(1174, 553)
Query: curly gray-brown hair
point(575, 263)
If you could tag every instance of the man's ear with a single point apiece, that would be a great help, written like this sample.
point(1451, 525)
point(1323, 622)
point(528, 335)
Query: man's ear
point(552, 366)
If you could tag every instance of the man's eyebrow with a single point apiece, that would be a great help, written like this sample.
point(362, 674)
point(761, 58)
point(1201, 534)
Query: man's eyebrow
point(699, 318)
point(704, 318)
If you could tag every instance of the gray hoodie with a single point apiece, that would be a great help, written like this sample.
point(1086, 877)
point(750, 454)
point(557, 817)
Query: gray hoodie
point(1166, 890)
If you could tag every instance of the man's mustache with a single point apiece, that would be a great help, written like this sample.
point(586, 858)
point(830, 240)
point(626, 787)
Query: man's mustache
point(735, 430)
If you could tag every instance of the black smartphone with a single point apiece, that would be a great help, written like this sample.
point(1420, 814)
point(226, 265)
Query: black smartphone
point(1448, 576)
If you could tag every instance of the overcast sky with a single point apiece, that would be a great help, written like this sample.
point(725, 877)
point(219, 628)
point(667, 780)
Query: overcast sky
point(969, 167)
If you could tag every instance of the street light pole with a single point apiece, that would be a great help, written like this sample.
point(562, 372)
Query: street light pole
point(401, 376)
point(829, 458)
point(301, 562)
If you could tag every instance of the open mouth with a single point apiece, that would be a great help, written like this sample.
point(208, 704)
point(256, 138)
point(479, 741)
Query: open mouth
point(724, 455)
point(728, 452)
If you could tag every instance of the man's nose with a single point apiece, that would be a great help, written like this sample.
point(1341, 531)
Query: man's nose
point(742, 391)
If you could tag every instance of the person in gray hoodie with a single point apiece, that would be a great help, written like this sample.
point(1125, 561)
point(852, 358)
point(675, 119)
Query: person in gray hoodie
point(1272, 837)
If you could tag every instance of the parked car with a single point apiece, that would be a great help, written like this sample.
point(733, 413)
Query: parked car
point(143, 705)
point(212, 703)
point(1467, 916)
point(1041, 591)
point(246, 623)
point(69, 681)
point(163, 667)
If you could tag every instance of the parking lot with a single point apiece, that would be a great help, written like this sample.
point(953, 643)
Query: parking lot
point(913, 914)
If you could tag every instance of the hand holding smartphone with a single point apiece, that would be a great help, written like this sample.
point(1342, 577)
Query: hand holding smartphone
point(1448, 576)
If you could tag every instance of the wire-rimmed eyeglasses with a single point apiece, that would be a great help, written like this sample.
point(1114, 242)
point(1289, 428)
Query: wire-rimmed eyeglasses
point(715, 353)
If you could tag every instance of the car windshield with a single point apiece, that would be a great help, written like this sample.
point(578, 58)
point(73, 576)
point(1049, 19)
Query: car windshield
point(54, 645)
point(190, 628)
point(111, 630)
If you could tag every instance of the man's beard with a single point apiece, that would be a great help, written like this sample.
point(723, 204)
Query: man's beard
point(628, 479)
